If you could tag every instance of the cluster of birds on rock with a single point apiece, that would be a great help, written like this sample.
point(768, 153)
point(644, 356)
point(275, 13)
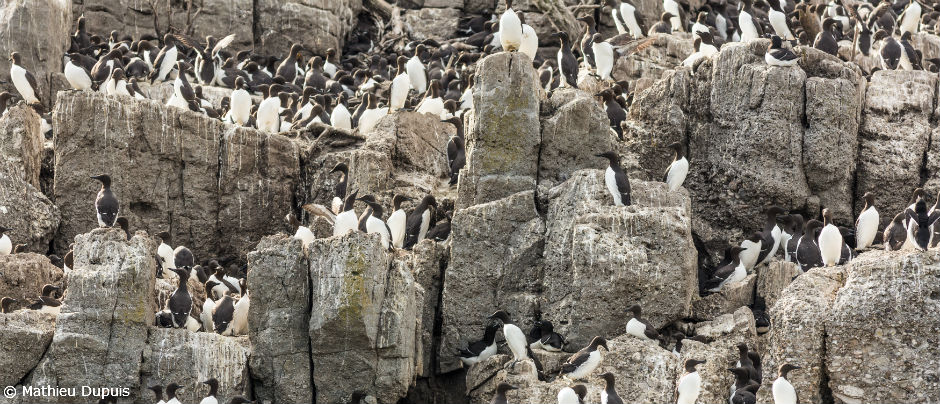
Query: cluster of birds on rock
point(173, 388)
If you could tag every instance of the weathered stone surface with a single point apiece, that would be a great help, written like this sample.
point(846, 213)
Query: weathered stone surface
point(893, 137)
point(25, 337)
point(507, 278)
point(23, 275)
point(317, 24)
point(189, 358)
point(22, 22)
point(598, 256)
point(658, 117)
point(478, 6)
point(642, 69)
point(431, 23)
point(30, 214)
point(882, 328)
point(725, 332)
point(729, 299)
point(277, 320)
point(798, 331)
point(503, 131)
point(21, 142)
point(363, 320)
point(101, 331)
point(645, 373)
point(773, 278)
point(165, 167)
point(427, 264)
point(574, 129)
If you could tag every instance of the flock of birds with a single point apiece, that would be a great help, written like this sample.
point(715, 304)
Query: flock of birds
point(355, 92)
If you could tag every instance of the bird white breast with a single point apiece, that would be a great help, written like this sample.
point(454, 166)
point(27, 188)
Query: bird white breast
point(241, 106)
point(433, 106)
point(177, 102)
point(191, 324)
point(370, 118)
point(120, 88)
point(340, 118)
point(771, 60)
point(867, 227)
point(6, 246)
point(830, 245)
point(516, 341)
point(345, 222)
point(400, 87)
point(636, 329)
point(783, 391)
point(698, 27)
point(425, 224)
point(775, 235)
point(77, 77)
point(173, 401)
point(722, 26)
point(784, 240)
point(240, 316)
point(689, 61)
point(487, 352)
point(603, 396)
point(621, 30)
point(677, 172)
point(561, 74)
point(396, 223)
point(530, 42)
point(166, 253)
point(689, 386)
point(209, 400)
point(510, 30)
point(268, 119)
point(51, 310)
point(737, 276)
point(329, 68)
point(911, 21)
point(673, 8)
point(611, 181)
point(168, 62)
point(376, 225)
point(466, 99)
point(627, 11)
point(746, 23)
point(594, 360)
point(779, 23)
point(304, 235)
point(416, 74)
point(603, 59)
point(749, 255)
point(568, 396)
point(206, 316)
point(18, 74)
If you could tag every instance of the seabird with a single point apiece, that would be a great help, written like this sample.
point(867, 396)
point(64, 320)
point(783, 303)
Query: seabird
point(213, 391)
point(328, 66)
point(530, 42)
point(479, 351)
point(124, 225)
point(158, 393)
point(807, 247)
point(340, 117)
point(180, 303)
point(639, 327)
point(5, 304)
point(603, 56)
point(240, 103)
point(6, 245)
point(582, 363)
point(617, 182)
point(664, 26)
point(615, 112)
point(514, 336)
point(548, 339)
point(346, 220)
point(891, 50)
point(418, 222)
point(920, 225)
point(510, 29)
point(501, 389)
point(567, 64)
point(432, 103)
point(770, 236)
point(106, 204)
point(609, 394)
point(675, 174)
point(909, 20)
point(401, 84)
point(23, 80)
point(166, 60)
point(750, 250)
point(371, 220)
point(778, 20)
point(171, 390)
point(746, 394)
point(777, 55)
point(728, 274)
point(826, 39)
point(417, 74)
point(866, 227)
point(830, 241)
point(456, 150)
point(572, 395)
point(782, 389)
point(288, 67)
point(76, 73)
point(690, 384)
point(749, 27)
point(749, 360)
point(268, 118)
point(240, 314)
point(630, 19)
point(208, 307)
point(223, 314)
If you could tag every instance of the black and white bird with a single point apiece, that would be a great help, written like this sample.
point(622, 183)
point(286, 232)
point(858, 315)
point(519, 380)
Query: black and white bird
point(866, 226)
point(572, 395)
point(728, 274)
point(510, 29)
point(782, 389)
point(807, 247)
point(616, 179)
point(171, 390)
point(213, 391)
point(639, 327)
point(456, 150)
point(895, 235)
point(240, 110)
point(891, 50)
point(603, 56)
point(371, 221)
point(830, 241)
point(23, 80)
point(106, 204)
point(6, 245)
point(777, 55)
point(479, 351)
point(166, 59)
point(180, 303)
point(346, 220)
point(690, 384)
point(745, 395)
point(771, 235)
point(157, 393)
point(418, 222)
point(750, 250)
point(778, 20)
point(609, 394)
point(748, 26)
point(500, 396)
point(223, 314)
point(920, 225)
point(76, 73)
point(546, 338)
point(513, 335)
point(583, 362)
point(567, 64)
point(401, 85)
point(677, 171)
point(630, 19)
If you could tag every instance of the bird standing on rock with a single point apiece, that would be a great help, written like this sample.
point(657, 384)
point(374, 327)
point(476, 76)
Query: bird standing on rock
point(510, 29)
point(782, 389)
point(106, 204)
point(690, 384)
point(514, 336)
point(616, 179)
point(582, 363)
point(501, 389)
point(866, 227)
point(6, 245)
point(23, 80)
point(677, 171)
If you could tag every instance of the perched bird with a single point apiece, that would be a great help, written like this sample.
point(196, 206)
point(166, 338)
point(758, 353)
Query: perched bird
point(530, 42)
point(23, 80)
point(639, 327)
point(609, 394)
point(76, 73)
point(223, 314)
point(240, 110)
point(746, 394)
point(675, 174)
point(583, 362)
point(371, 220)
point(866, 227)
point(166, 60)
point(778, 20)
point(783, 391)
point(213, 391)
point(630, 19)
point(418, 222)
point(510, 29)
point(616, 179)
point(157, 393)
point(208, 308)
point(401, 84)
point(6, 245)
point(417, 74)
point(829, 241)
point(5, 304)
point(180, 303)
point(456, 150)
point(807, 247)
point(500, 396)
point(572, 395)
point(690, 384)
point(547, 339)
point(514, 336)
point(479, 351)
point(891, 50)
point(567, 64)
point(603, 56)
point(749, 27)
point(751, 249)
point(777, 55)
point(106, 204)
point(771, 235)
point(171, 390)
point(728, 274)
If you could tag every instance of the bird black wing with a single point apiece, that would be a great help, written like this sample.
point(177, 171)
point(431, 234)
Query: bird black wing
point(623, 185)
point(180, 305)
point(32, 83)
point(650, 331)
point(107, 207)
point(473, 349)
point(223, 314)
point(412, 228)
point(451, 151)
point(575, 361)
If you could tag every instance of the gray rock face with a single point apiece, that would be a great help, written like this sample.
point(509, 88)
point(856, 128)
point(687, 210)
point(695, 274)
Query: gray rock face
point(23, 275)
point(774, 278)
point(363, 320)
point(647, 66)
point(431, 23)
point(277, 320)
point(882, 326)
point(25, 337)
point(731, 297)
point(574, 129)
point(22, 23)
point(25, 209)
point(188, 358)
point(427, 264)
point(21, 142)
point(318, 24)
point(725, 331)
point(101, 331)
point(165, 164)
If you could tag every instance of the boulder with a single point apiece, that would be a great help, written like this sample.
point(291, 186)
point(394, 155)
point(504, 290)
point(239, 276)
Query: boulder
point(727, 300)
point(894, 137)
point(503, 132)
point(189, 358)
point(431, 23)
point(427, 264)
point(21, 142)
point(23, 275)
point(32, 216)
point(101, 331)
point(21, 24)
point(26, 335)
point(318, 25)
point(773, 278)
point(882, 328)
point(575, 129)
point(645, 67)
point(277, 325)
point(363, 320)
point(215, 187)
